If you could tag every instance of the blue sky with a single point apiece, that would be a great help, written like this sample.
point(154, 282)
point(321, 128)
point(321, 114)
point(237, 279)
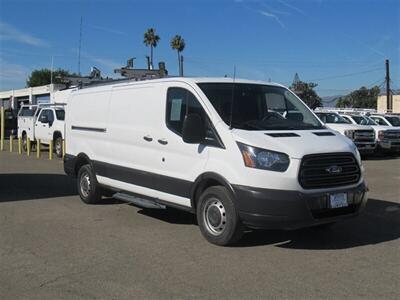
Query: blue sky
point(341, 45)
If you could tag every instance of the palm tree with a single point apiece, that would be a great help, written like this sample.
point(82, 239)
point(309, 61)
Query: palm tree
point(178, 44)
point(151, 39)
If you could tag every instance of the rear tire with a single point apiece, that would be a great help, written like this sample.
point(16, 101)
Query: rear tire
point(88, 188)
point(218, 218)
point(58, 147)
point(25, 143)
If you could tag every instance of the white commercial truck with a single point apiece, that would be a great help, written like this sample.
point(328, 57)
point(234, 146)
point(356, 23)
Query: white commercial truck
point(362, 136)
point(387, 137)
point(243, 153)
point(44, 122)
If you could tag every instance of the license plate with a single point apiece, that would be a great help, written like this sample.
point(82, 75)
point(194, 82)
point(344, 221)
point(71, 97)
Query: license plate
point(338, 200)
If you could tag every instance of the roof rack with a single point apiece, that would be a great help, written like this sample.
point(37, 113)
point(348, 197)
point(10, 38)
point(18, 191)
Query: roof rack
point(360, 111)
point(95, 79)
point(142, 74)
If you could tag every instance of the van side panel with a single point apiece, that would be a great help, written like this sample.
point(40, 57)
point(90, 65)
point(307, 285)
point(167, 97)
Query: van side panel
point(136, 114)
point(86, 124)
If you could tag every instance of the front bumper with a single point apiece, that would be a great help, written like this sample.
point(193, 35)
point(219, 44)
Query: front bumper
point(365, 147)
point(390, 145)
point(277, 209)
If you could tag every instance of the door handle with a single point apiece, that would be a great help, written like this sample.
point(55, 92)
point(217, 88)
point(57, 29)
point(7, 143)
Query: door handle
point(163, 141)
point(147, 138)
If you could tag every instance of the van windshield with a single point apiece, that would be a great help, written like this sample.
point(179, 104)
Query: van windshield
point(259, 107)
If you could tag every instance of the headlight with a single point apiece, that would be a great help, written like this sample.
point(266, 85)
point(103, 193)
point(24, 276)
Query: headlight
point(349, 134)
point(381, 135)
point(264, 159)
point(357, 153)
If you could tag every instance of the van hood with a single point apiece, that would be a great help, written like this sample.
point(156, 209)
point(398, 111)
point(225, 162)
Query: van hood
point(302, 143)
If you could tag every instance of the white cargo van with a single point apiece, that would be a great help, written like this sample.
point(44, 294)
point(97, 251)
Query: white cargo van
point(237, 154)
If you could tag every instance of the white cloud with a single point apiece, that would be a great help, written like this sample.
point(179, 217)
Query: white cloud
point(105, 62)
point(292, 7)
point(108, 30)
point(273, 16)
point(9, 32)
point(12, 75)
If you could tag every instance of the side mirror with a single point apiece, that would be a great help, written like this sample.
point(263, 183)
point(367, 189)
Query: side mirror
point(194, 131)
point(44, 119)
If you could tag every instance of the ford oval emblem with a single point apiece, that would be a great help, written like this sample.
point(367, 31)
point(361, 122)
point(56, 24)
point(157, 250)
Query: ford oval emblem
point(334, 170)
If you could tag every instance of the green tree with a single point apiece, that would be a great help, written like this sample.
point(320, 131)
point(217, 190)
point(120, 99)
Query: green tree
point(305, 91)
point(151, 39)
point(43, 77)
point(343, 102)
point(178, 44)
point(361, 98)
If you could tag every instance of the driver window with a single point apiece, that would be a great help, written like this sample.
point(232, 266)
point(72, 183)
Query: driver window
point(43, 114)
point(181, 102)
point(50, 114)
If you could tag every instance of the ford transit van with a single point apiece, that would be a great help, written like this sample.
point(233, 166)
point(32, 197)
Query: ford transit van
point(237, 154)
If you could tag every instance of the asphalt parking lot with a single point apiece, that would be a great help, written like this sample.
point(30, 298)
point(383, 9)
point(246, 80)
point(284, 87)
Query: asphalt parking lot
point(52, 246)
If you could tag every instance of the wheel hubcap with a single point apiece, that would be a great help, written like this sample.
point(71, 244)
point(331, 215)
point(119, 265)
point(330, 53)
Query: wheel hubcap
point(214, 215)
point(58, 148)
point(85, 184)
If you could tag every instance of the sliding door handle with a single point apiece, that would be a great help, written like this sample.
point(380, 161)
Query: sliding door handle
point(147, 138)
point(163, 141)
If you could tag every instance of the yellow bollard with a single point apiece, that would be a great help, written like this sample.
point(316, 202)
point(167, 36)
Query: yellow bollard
point(51, 150)
point(19, 145)
point(37, 148)
point(63, 148)
point(28, 146)
point(11, 143)
point(2, 124)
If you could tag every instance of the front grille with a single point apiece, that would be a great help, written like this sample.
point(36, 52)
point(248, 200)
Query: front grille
point(317, 170)
point(391, 135)
point(364, 136)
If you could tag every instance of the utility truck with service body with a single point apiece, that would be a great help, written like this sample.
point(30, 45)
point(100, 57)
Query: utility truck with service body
point(362, 136)
point(237, 154)
point(44, 122)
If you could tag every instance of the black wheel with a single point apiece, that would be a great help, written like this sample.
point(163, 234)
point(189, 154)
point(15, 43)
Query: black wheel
point(58, 147)
point(88, 188)
point(218, 218)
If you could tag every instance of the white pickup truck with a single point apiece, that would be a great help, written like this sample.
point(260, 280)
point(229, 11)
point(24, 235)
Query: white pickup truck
point(362, 136)
point(44, 123)
point(387, 137)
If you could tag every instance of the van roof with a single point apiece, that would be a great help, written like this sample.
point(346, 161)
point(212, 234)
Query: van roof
point(189, 80)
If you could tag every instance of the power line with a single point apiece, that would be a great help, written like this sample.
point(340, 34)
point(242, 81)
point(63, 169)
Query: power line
point(346, 75)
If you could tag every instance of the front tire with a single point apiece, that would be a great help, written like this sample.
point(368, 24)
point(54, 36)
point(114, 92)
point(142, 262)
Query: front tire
point(88, 188)
point(218, 218)
point(58, 147)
